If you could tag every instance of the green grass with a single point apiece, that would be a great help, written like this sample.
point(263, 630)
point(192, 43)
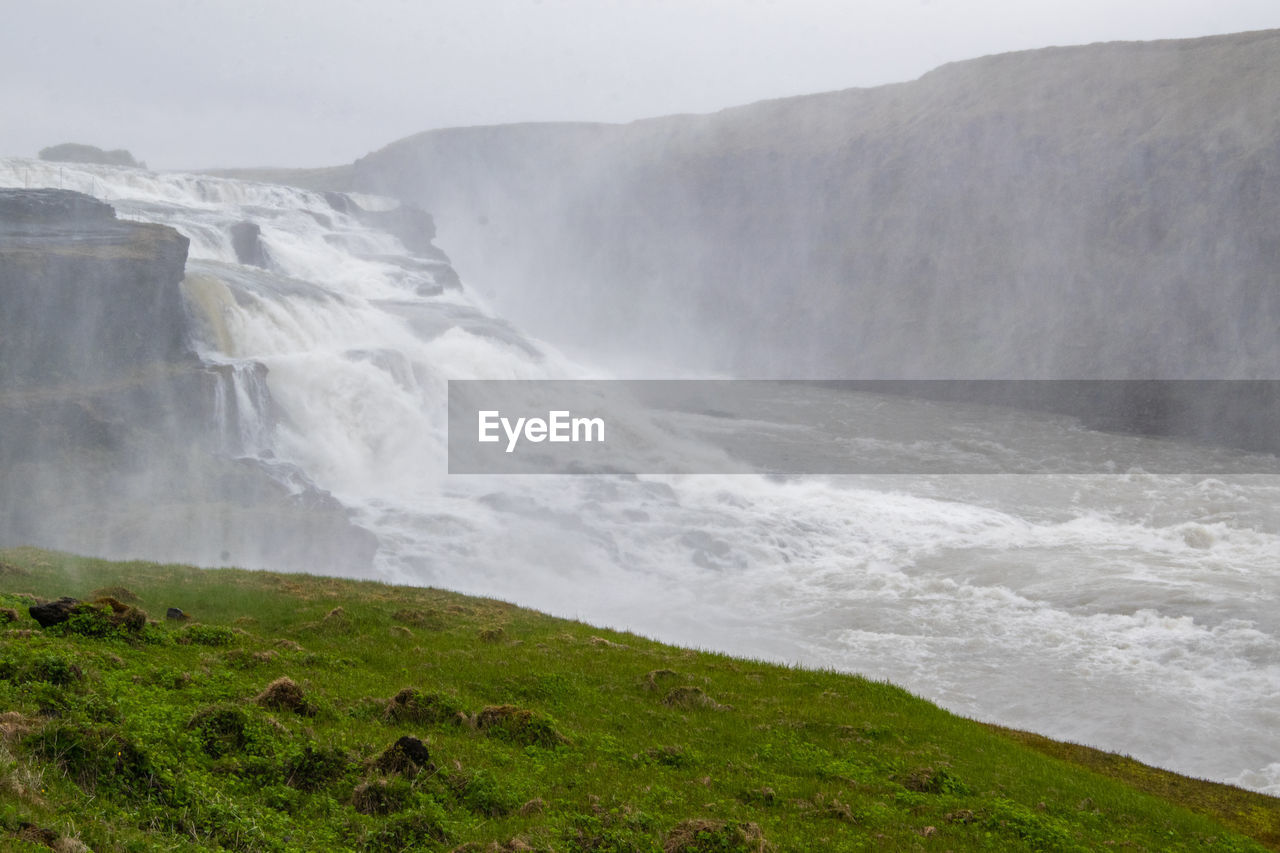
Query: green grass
point(543, 734)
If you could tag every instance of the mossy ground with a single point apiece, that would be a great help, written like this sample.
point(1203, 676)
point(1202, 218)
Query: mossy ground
point(543, 734)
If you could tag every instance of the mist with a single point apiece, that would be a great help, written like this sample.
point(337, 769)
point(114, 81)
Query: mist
point(319, 84)
point(1103, 212)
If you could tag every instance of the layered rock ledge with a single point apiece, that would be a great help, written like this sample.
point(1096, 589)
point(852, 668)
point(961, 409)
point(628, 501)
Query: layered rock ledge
point(110, 441)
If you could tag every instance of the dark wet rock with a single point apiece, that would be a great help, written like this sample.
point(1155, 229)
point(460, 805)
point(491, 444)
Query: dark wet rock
point(414, 749)
point(53, 612)
point(341, 202)
point(246, 239)
point(407, 756)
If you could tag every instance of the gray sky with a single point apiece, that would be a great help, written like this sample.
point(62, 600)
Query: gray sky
point(194, 83)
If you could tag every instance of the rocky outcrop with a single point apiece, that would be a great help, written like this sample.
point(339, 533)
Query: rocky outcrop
point(426, 268)
point(86, 296)
point(75, 152)
point(246, 240)
point(1108, 211)
point(46, 212)
point(53, 612)
point(110, 434)
point(412, 225)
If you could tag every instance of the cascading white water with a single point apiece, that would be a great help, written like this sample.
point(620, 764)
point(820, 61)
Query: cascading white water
point(1133, 611)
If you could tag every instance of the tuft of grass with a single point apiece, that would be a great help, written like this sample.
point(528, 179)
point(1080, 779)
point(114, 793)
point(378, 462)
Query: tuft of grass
point(715, 836)
point(413, 706)
point(691, 697)
point(117, 592)
point(284, 694)
point(105, 618)
point(205, 635)
point(221, 729)
point(519, 726)
point(931, 780)
point(380, 796)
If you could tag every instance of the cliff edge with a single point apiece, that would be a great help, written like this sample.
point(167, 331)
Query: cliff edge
point(86, 295)
point(1109, 211)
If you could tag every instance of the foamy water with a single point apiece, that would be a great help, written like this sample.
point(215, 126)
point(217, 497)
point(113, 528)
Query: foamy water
point(1131, 611)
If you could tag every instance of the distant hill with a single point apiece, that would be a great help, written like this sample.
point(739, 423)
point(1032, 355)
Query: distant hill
point(74, 152)
point(1103, 211)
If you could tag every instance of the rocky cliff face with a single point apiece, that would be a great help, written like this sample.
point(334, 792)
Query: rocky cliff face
point(87, 296)
point(1110, 211)
point(110, 441)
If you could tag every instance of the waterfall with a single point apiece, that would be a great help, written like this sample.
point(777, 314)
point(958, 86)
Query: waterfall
point(1136, 612)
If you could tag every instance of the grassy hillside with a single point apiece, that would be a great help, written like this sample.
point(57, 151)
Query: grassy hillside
point(122, 732)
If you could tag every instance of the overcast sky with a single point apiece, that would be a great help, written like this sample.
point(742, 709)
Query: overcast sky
point(197, 83)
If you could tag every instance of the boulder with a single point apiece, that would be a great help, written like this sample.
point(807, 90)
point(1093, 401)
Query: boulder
point(341, 202)
point(408, 756)
point(246, 239)
point(53, 612)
